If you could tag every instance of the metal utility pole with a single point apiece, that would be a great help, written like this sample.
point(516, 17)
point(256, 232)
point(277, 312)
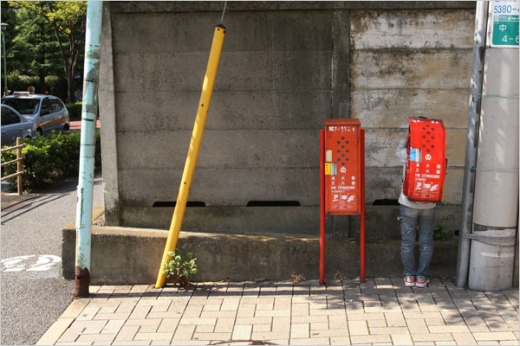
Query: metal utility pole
point(495, 212)
point(87, 149)
point(468, 189)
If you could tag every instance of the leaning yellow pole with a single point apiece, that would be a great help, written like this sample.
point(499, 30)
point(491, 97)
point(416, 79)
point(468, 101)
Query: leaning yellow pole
point(193, 152)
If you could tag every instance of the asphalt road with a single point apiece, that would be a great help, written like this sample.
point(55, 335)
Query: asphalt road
point(34, 294)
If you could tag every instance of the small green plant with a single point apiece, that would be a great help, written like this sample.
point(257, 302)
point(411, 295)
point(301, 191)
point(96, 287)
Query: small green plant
point(440, 232)
point(180, 267)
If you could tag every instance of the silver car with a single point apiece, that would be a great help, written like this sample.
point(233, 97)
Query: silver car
point(15, 125)
point(48, 112)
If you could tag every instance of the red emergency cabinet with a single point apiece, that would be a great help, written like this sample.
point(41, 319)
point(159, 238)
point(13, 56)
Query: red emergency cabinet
point(343, 164)
point(426, 164)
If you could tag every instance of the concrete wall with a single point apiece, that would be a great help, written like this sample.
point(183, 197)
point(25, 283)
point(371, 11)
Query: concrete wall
point(285, 67)
point(122, 255)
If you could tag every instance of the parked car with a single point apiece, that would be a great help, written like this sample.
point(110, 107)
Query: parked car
point(15, 125)
point(48, 112)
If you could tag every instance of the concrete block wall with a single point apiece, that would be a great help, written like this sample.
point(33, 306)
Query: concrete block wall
point(410, 63)
point(285, 67)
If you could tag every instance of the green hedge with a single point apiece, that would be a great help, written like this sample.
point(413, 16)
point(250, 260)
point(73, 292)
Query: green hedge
point(74, 110)
point(50, 159)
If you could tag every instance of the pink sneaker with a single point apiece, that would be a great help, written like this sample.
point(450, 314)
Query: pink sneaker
point(422, 281)
point(409, 281)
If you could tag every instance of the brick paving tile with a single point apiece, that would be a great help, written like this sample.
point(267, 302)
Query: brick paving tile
point(153, 336)
point(339, 340)
point(370, 339)
point(257, 300)
point(417, 326)
point(193, 311)
point(401, 339)
point(476, 324)
point(139, 312)
point(103, 338)
point(75, 308)
point(281, 324)
point(139, 289)
point(435, 322)
point(300, 310)
point(337, 323)
point(143, 322)
point(310, 319)
point(242, 332)
point(495, 336)
point(126, 306)
point(149, 329)
point(452, 317)
point(377, 323)
point(162, 307)
point(159, 315)
point(270, 335)
point(388, 330)
point(55, 331)
point(421, 337)
point(464, 338)
point(506, 327)
point(230, 304)
point(258, 328)
point(205, 328)
point(127, 333)
point(317, 326)
point(88, 313)
point(422, 315)
point(113, 327)
point(196, 321)
point(358, 328)
point(254, 320)
point(212, 336)
point(339, 311)
point(314, 341)
point(272, 313)
point(395, 319)
point(330, 333)
point(354, 307)
point(366, 317)
point(132, 342)
point(448, 329)
point(184, 332)
point(111, 316)
point(300, 330)
point(217, 313)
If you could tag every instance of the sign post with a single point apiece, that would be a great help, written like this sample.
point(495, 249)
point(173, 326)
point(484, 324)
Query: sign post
point(343, 176)
point(504, 27)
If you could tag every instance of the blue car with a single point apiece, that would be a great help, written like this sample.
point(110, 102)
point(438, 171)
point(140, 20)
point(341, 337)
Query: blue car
point(15, 125)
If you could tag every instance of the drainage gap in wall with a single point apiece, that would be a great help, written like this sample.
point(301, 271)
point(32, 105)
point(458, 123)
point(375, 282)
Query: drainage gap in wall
point(172, 204)
point(273, 204)
point(385, 201)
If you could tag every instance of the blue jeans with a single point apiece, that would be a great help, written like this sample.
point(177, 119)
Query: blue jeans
point(409, 218)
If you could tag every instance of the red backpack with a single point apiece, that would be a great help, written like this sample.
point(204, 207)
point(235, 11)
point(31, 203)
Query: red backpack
point(426, 163)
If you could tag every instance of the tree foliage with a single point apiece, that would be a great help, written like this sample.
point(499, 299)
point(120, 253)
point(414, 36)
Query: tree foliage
point(34, 52)
point(65, 21)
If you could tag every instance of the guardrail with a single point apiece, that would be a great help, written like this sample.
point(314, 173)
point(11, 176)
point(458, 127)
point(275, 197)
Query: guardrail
point(19, 158)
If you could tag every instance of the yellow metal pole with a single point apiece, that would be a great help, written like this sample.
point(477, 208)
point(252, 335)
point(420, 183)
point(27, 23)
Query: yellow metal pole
point(19, 167)
point(193, 152)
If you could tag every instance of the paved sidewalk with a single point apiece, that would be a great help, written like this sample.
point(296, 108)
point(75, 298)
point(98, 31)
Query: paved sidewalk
point(379, 311)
